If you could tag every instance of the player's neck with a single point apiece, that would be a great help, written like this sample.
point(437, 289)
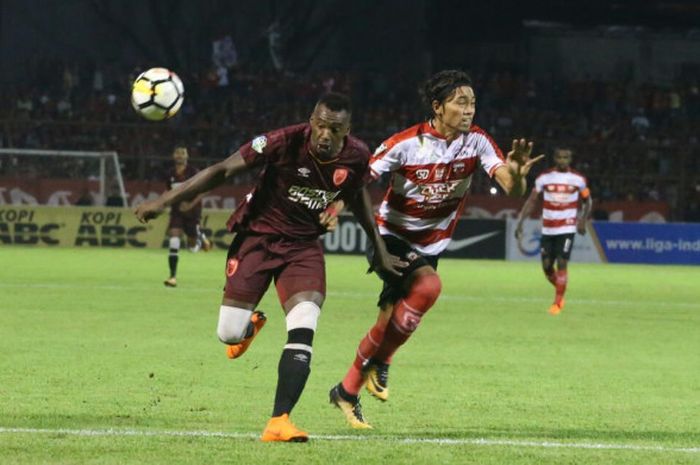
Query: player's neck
point(449, 133)
point(179, 169)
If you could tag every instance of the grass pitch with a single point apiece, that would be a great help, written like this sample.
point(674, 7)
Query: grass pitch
point(100, 364)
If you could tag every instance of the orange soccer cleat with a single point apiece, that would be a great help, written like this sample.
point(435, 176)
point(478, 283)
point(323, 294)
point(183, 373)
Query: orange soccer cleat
point(555, 309)
point(281, 429)
point(236, 350)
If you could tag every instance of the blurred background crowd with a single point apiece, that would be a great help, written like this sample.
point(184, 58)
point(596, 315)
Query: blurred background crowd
point(635, 135)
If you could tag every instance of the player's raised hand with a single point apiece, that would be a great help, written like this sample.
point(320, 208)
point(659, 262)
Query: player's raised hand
point(520, 157)
point(148, 210)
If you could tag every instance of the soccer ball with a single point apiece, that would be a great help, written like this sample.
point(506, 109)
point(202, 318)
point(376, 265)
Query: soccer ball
point(157, 94)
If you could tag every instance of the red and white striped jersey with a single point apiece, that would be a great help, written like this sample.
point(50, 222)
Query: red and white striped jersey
point(561, 190)
point(429, 182)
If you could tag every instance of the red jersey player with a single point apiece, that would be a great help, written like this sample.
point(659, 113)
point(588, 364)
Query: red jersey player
point(431, 166)
point(561, 188)
point(184, 215)
point(305, 168)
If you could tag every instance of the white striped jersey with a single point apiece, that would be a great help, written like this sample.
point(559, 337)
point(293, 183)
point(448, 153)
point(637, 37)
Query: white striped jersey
point(560, 191)
point(429, 182)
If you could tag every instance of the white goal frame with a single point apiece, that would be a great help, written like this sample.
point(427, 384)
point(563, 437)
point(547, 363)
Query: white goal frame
point(104, 158)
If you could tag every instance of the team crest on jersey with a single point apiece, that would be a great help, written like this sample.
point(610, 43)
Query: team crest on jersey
point(439, 173)
point(459, 167)
point(422, 174)
point(304, 172)
point(231, 267)
point(339, 176)
point(259, 143)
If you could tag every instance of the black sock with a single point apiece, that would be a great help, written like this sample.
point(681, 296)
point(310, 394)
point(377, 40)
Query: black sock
point(172, 261)
point(293, 370)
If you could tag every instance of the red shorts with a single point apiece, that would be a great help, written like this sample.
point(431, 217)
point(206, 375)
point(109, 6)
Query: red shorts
point(254, 260)
point(190, 225)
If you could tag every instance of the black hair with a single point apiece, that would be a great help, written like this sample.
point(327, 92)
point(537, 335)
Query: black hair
point(440, 86)
point(335, 101)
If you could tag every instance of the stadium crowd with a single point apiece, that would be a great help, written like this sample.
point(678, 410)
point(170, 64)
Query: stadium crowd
point(637, 142)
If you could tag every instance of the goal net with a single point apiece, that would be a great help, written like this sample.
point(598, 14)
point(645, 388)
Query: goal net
point(61, 177)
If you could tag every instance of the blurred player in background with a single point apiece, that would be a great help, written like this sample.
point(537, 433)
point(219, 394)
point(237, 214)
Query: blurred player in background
point(431, 166)
point(184, 215)
point(561, 188)
point(305, 168)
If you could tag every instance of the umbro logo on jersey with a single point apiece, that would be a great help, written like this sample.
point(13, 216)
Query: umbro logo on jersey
point(304, 172)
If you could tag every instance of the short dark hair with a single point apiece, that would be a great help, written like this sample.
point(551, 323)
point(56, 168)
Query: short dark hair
point(442, 85)
point(335, 101)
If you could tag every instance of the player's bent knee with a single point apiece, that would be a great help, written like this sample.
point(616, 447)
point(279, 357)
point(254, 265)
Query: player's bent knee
point(425, 289)
point(233, 324)
point(303, 315)
point(174, 243)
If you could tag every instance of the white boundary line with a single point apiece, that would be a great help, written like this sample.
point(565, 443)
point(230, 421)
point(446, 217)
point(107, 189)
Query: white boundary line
point(358, 295)
point(395, 439)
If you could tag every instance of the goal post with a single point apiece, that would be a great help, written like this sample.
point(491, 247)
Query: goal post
point(102, 166)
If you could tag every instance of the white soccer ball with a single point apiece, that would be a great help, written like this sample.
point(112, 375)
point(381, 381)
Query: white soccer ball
point(157, 94)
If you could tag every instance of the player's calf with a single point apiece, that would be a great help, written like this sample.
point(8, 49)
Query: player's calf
point(173, 249)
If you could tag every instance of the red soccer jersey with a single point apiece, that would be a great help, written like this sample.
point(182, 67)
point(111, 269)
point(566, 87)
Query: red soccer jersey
point(172, 180)
point(294, 187)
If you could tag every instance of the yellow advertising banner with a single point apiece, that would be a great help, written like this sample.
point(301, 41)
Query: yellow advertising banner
point(96, 227)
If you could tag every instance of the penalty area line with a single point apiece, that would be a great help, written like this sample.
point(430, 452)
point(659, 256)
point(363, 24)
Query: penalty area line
point(376, 438)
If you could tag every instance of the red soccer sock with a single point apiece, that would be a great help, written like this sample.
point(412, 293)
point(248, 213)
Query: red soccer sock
point(560, 284)
point(407, 314)
point(353, 381)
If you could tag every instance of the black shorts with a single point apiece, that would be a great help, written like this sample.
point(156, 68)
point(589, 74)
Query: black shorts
point(393, 289)
point(557, 246)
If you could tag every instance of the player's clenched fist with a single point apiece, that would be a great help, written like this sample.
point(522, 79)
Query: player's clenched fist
point(148, 210)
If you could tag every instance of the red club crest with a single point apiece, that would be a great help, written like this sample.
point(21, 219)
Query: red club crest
point(231, 267)
point(339, 176)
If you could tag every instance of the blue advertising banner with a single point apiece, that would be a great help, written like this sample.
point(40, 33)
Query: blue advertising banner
point(666, 243)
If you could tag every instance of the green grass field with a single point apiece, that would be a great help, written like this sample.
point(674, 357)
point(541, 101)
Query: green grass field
point(100, 364)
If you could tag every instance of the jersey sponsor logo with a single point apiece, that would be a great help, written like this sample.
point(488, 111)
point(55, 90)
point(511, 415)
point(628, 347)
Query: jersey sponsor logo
point(422, 174)
point(304, 172)
point(231, 267)
point(259, 143)
point(339, 176)
point(438, 192)
point(314, 199)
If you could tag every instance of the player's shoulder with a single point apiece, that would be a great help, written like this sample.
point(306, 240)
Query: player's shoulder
point(407, 134)
point(577, 173)
point(294, 130)
point(478, 131)
point(546, 173)
point(357, 147)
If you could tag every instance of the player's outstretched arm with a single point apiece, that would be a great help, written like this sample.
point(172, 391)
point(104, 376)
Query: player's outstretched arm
point(511, 176)
point(203, 181)
point(384, 262)
point(525, 213)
